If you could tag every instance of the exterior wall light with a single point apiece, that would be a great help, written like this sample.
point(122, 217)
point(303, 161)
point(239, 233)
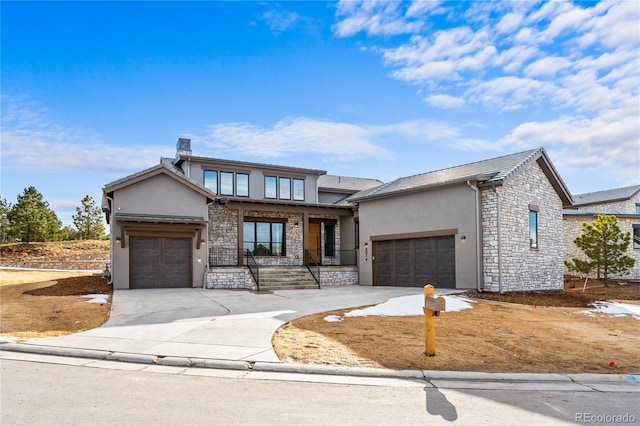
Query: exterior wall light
point(463, 238)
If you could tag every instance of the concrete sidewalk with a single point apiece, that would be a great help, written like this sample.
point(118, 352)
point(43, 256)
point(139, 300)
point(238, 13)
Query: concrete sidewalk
point(235, 325)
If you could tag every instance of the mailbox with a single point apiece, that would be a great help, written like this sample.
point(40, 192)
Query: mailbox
point(436, 304)
point(432, 308)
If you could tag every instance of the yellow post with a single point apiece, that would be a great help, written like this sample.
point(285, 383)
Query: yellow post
point(429, 324)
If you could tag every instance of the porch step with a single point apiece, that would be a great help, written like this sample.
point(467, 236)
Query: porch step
point(286, 278)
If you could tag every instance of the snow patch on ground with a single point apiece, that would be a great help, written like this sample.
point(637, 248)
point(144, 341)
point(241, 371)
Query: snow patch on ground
point(404, 306)
point(616, 309)
point(97, 298)
point(5, 339)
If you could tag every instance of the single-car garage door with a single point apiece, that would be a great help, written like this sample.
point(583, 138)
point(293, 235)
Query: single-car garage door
point(159, 262)
point(415, 262)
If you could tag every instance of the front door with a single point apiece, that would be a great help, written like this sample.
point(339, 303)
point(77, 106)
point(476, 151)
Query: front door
point(314, 242)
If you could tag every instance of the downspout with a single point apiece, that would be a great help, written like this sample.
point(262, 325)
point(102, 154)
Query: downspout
point(499, 240)
point(111, 240)
point(204, 277)
point(479, 263)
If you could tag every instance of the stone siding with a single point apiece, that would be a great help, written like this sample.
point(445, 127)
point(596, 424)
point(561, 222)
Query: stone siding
point(573, 229)
point(230, 278)
point(334, 276)
point(65, 263)
point(523, 268)
point(223, 234)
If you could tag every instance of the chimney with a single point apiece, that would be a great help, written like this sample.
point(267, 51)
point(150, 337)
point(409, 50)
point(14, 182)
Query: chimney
point(183, 147)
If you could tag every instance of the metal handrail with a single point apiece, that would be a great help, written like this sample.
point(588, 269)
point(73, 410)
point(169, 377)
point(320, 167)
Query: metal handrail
point(310, 262)
point(254, 268)
point(337, 257)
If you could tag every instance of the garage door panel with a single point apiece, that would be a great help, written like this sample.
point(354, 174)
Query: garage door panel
point(159, 262)
point(416, 262)
point(177, 262)
point(384, 263)
point(145, 262)
point(403, 253)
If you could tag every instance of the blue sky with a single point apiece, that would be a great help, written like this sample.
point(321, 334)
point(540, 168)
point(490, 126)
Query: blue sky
point(95, 91)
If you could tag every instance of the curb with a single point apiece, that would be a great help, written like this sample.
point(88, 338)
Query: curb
point(428, 375)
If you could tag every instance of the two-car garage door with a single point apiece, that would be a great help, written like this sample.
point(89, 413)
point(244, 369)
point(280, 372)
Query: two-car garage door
point(160, 262)
point(415, 262)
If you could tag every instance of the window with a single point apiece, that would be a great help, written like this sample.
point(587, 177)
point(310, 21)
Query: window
point(533, 229)
point(242, 184)
point(226, 183)
point(636, 236)
point(329, 240)
point(264, 238)
point(357, 232)
point(298, 189)
point(211, 180)
point(285, 188)
point(638, 209)
point(270, 187)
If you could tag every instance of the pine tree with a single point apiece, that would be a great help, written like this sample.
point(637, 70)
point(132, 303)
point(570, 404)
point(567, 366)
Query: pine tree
point(605, 245)
point(88, 220)
point(31, 219)
point(5, 207)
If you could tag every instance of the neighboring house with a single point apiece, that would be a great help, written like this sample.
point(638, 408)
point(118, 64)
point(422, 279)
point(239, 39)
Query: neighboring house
point(624, 203)
point(493, 225)
point(197, 221)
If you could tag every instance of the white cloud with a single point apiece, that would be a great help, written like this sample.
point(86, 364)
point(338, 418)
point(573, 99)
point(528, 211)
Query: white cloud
point(445, 101)
point(378, 17)
point(546, 67)
point(33, 139)
point(279, 20)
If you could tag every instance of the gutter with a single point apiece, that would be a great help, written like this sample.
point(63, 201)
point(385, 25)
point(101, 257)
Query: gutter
point(111, 240)
point(207, 266)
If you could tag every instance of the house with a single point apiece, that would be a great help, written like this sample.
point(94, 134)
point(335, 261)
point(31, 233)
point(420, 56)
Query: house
point(191, 221)
point(624, 203)
point(197, 221)
point(491, 225)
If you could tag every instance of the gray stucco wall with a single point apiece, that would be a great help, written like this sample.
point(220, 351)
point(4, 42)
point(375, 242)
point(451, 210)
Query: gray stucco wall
point(434, 210)
point(159, 194)
point(517, 266)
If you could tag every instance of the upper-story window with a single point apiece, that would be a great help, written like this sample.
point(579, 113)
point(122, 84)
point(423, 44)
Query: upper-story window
point(227, 183)
point(533, 229)
point(284, 188)
point(638, 209)
point(298, 189)
point(211, 180)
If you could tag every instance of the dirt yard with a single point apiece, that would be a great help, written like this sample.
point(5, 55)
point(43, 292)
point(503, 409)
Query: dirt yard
point(522, 332)
point(48, 304)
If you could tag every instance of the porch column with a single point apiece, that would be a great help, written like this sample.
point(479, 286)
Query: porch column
point(240, 236)
point(305, 235)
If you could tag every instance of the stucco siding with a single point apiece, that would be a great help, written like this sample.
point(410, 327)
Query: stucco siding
point(513, 265)
point(438, 209)
point(158, 195)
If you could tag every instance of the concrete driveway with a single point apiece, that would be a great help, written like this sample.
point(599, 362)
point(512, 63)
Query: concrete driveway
point(212, 324)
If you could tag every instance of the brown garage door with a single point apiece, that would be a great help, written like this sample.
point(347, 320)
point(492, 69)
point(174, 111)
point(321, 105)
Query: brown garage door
point(159, 262)
point(416, 262)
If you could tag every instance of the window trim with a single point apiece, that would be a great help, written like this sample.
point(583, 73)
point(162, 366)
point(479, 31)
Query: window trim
point(534, 243)
point(237, 185)
point(204, 179)
point(271, 223)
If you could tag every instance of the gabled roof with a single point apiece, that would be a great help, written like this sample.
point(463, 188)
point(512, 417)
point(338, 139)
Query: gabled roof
point(493, 171)
point(607, 196)
point(345, 184)
point(163, 168)
point(233, 163)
